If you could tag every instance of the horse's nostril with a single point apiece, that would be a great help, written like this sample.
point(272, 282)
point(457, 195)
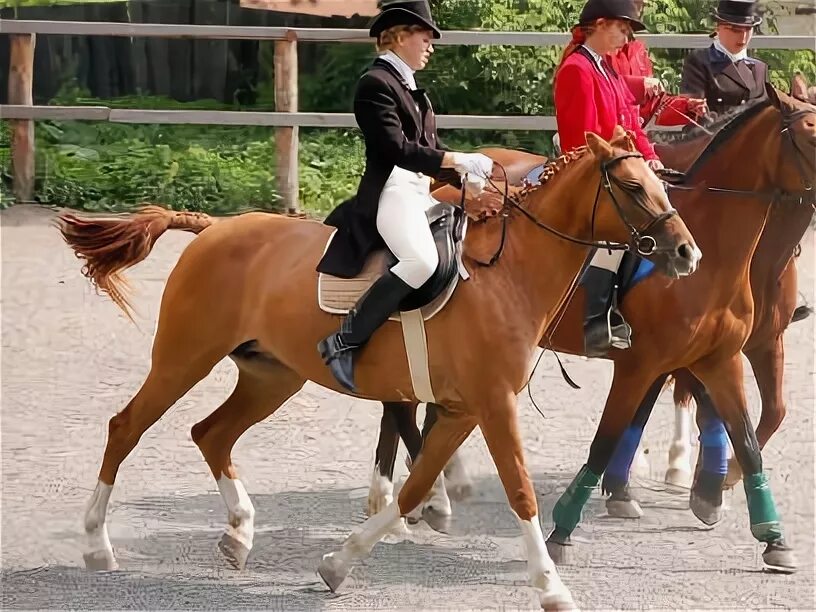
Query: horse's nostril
point(686, 251)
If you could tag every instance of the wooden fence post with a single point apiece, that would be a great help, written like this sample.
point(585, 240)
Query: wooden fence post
point(286, 138)
point(20, 91)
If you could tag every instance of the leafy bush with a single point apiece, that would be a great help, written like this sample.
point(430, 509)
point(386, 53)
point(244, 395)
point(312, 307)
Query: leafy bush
point(106, 166)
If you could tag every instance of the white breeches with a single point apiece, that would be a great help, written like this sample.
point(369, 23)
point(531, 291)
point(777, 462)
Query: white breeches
point(404, 227)
point(608, 260)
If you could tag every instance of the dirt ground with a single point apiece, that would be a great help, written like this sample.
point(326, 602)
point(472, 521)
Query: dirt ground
point(70, 360)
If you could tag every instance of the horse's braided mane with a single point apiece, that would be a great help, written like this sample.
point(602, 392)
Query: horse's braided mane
point(492, 202)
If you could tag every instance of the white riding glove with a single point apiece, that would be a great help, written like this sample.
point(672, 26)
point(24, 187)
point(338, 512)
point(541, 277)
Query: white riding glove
point(475, 164)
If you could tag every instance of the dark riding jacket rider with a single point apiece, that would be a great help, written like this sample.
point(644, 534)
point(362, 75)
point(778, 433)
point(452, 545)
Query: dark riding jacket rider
point(403, 152)
point(723, 73)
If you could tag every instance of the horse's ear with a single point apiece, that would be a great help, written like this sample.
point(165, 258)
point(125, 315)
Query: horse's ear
point(599, 148)
point(623, 139)
point(773, 95)
point(799, 87)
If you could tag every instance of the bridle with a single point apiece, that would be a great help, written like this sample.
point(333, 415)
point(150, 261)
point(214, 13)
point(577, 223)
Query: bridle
point(641, 241)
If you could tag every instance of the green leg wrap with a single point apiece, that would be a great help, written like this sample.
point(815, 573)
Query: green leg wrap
point(765, 525)
point(567, 511)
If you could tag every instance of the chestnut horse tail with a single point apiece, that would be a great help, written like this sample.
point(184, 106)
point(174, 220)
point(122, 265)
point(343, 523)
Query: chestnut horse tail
point(110, 246)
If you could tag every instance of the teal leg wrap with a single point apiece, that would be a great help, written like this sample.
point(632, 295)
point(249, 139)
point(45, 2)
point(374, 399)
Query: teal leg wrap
point(765, 525)
point(567, 511)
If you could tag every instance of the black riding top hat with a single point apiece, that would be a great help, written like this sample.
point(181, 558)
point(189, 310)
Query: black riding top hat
point(403, 13)
point(611, 9)
point(737, 12)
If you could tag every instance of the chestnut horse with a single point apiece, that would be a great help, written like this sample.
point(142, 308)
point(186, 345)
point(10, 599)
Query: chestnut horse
point(246, 287)
point(704, 331)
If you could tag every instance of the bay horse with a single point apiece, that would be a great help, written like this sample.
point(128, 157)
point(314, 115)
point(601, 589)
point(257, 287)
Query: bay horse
point(727, 310)
point(246, 287)
point(774, 289)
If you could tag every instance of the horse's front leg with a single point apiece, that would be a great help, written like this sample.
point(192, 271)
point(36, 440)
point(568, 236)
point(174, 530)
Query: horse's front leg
point(724, 381)
point(450, 431)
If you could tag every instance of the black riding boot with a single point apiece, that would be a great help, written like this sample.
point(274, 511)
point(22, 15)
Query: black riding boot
point(604, 328)
point(372, 310)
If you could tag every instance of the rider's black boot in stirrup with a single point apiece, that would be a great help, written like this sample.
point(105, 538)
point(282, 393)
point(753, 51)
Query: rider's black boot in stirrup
point(372, 310)
point(604, 328)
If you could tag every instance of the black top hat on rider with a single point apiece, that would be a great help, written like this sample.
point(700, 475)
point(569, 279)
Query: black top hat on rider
point(625, 10)
point(737, 12)
point(402, 13)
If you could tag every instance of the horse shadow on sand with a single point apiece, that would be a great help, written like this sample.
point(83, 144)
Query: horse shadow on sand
point(168, 558)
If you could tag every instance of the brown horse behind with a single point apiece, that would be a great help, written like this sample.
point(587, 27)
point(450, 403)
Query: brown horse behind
point(702, 331)
point(246, 287)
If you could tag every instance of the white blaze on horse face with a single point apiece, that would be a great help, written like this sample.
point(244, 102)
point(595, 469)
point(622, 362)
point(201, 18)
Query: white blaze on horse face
point(99, 554)
point(541, 568)
point(241, 512)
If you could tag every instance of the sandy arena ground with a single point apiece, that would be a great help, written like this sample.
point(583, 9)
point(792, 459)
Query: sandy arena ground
point(70, 360)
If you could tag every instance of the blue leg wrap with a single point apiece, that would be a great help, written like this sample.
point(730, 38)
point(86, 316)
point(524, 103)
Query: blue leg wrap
point(714, 442)
point(621, 462)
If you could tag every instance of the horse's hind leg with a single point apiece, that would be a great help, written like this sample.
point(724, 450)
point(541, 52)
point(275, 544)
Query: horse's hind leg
point(259, 392)
point(398, 421)
point(170, 377)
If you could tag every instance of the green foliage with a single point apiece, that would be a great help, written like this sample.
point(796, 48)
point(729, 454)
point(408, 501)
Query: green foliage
point(106, 166)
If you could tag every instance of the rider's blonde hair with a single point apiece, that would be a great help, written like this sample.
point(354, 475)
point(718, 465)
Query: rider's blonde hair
point(388, 39)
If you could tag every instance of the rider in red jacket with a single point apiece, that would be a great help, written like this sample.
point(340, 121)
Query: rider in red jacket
point(590, 96)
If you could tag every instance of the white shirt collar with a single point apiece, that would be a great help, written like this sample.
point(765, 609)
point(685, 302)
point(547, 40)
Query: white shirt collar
point(734, 57)
point(404, 69)
point(598, 59)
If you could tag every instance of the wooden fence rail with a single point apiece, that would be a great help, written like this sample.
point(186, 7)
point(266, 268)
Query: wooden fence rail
point(286, 119)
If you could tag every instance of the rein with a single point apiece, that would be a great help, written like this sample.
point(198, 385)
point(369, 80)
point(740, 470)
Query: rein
point(643, 243)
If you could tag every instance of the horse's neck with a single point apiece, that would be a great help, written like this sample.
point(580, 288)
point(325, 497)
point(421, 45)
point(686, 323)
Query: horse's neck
point(536, 261)
point(786, 225)
point(728, 226)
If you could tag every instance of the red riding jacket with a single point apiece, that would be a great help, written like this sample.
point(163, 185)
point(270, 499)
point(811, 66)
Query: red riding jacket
point(632, 62)
point(586, 101)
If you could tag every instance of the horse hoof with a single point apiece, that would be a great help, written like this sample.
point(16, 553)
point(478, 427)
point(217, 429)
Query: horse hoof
point(558, 601)
point(414, 516)
point(100, 561)
point(779, 558)
point(708, 513)
point(333, 571)
point(678, 477)
point(626, 509)
point(235, 552)
point(561, 554)
point(460, 492)
point(438, 520)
